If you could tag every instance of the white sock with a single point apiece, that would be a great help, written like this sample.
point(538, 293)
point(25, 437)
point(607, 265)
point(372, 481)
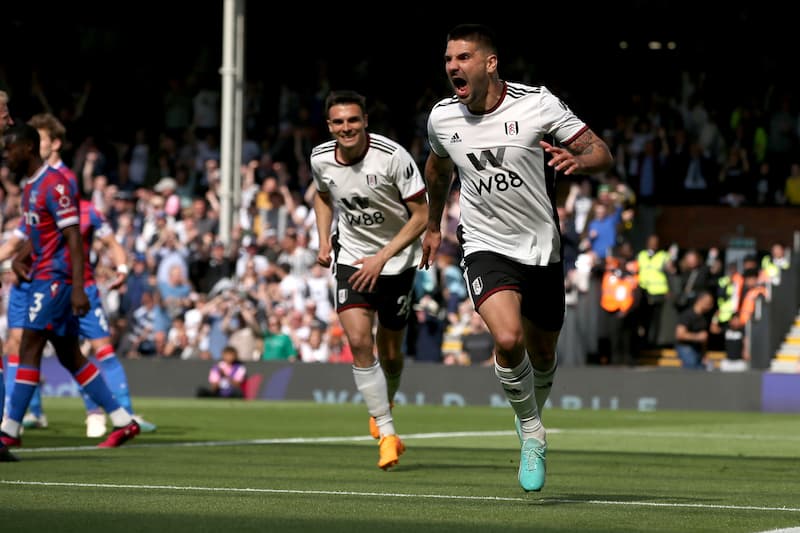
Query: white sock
point(120, 417)
point(542, 384)
point(518, 385)
point(10, 427)
point(371, 383)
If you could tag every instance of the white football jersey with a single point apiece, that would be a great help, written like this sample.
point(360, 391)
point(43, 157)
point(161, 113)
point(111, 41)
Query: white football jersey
point(369, 197)
point(507, 197)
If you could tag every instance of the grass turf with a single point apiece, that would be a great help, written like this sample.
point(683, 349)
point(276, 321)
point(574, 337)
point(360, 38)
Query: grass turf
point(218, 465)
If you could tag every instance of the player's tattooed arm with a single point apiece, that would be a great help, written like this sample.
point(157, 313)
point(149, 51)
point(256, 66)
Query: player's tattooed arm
point(586, 154)
point(585, 143)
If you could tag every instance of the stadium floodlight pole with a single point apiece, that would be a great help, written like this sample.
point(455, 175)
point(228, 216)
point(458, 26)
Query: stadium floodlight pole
point(238, 109)
point(229, 158)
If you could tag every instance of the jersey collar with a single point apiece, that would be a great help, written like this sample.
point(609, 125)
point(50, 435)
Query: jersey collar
point(38, 174)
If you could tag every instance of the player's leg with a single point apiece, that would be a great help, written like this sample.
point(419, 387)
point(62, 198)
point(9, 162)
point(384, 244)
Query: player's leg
point(35, 417)
point(367, 374)
point(95, 327)
point(5, 455)
point(369, 378)
point(15, 315)
point(391, 358)
point(542, 308)
point(11, 372)
point(501, 310)
point(393, 308)
point(91, 381)
point(27, 379)
point(117, 379)
point(541, 348)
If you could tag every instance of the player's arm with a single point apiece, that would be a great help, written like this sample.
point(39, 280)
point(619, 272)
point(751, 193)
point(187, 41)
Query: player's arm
point(10, 246)
point(118, 256)
point(439, 177)
point(80, 302)
point(585, 154)
point(21, 264)
point(371, 267)
point(323, 210)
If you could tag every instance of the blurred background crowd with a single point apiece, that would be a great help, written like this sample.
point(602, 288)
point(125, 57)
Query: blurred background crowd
point(697, 120)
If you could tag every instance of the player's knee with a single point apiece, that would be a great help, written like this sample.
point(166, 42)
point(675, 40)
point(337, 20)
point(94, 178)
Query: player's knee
point(507, 341)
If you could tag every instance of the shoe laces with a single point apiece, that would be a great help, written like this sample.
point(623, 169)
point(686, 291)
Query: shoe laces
point(532, 453)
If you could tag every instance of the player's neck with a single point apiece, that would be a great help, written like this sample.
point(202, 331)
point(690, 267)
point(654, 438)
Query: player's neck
point(495, 93)
point(349, 154)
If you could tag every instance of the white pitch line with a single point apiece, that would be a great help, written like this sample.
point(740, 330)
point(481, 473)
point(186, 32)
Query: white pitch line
point(419, 436)
point(393, 495)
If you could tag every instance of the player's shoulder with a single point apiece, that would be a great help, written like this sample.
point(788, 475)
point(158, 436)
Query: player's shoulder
point(515, 89)
point(447, 105)
point(323, 150)
point(51, 178)
point(52, 173)
point(67, 172)
point(384, 144)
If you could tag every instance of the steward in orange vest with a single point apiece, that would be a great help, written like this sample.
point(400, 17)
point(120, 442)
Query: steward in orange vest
point(619, 288)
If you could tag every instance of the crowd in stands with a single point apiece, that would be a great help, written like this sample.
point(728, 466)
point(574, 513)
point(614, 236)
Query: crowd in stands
point(191, 293)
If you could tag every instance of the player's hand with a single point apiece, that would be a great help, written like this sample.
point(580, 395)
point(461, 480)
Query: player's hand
point(119, 281)
point(366, 277)
point(80, 303)
point(430, 245)
point(562, 160)
point(324, 256)
point(22, 269)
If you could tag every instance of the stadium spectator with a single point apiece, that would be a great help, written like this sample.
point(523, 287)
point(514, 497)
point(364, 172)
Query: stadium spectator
point(652, 264)
point(603, 228)
point(278, 346)
point(431, 322)
point(476, 341)
point(314, 349)
point(693, 278)
point(619, 299)
point(691, 332)
point(148, 328)
point(226, 377)
point(175, 292)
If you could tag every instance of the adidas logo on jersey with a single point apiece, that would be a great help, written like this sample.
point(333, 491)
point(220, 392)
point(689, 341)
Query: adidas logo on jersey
point(455, 138)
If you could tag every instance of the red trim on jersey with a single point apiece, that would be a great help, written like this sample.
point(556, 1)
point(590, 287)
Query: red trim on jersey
point(28, 376)
point(580, 132)
point(86, 374)
point(495, 106)
point(416, 195)
point(13, 359)
point(105, 352)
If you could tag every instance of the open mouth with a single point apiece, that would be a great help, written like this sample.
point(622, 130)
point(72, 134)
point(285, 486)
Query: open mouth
point(460, 85)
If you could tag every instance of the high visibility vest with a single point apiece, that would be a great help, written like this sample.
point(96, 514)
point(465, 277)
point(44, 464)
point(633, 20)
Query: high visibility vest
point(772, 271)
point(652, 278)
point(728, 301)
point(617, 292)
point(749, 303)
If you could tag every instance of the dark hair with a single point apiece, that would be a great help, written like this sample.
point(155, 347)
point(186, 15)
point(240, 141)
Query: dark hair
point(345, 97)
point(22, 133)
point(479, 33)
